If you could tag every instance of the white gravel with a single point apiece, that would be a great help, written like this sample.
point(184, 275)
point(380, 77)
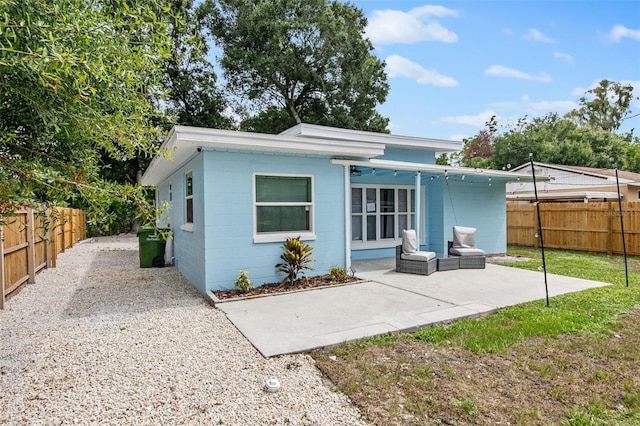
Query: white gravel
point(99, 340)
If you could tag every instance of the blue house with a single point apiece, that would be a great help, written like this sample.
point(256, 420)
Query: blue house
point(232, 198)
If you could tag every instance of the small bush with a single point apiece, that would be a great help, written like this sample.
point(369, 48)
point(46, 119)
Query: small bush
point(338, 274)
point(243, 283)
point(296, 258)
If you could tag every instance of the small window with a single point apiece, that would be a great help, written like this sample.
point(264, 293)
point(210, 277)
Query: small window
point(189, 198)
point(283, 207)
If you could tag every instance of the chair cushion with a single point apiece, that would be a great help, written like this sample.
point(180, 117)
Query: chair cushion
point(409, 241)
point(464, 237)
point(418, 255)
point(466, 251)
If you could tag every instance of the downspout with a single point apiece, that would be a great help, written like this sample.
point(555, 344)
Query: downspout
point(347, 216)
point(416, 224)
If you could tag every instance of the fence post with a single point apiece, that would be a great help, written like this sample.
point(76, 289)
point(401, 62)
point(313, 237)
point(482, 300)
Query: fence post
point(1, 266)
point(611, 214)
point(47, 238)
point(31, 248)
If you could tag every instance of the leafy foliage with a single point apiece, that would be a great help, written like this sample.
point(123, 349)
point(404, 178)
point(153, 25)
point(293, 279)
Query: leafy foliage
point(296, 258)
point(338, 274)
point(243, 283)
point(193, 97)
point(608, 108)
point(76, 83)
point(305, 59)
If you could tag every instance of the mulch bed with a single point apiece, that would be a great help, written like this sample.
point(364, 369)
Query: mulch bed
point(283, 287)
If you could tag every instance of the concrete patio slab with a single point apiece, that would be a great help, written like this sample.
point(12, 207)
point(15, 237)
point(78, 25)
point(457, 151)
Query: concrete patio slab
point(386, 302)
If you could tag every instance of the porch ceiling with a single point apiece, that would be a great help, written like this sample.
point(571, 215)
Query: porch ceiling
point(438, 169)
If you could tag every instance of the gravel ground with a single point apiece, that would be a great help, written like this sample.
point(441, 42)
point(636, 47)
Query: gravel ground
point(99, 340)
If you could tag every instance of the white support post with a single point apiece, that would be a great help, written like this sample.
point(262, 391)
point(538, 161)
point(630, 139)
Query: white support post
point(416, 222)
point(347, 216)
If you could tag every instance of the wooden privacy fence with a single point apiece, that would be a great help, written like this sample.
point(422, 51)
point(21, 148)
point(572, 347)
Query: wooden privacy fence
point(593, 227)
point(31, 240)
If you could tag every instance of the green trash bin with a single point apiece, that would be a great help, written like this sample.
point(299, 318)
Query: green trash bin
point(151, 247)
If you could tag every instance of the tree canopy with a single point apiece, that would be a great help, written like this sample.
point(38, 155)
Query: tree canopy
point(78, 80)
point(583, 137)
point(305, 59)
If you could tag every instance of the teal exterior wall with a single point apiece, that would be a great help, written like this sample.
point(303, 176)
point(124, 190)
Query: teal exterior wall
point(189, 247)
point(478, 204)
point(221, 243)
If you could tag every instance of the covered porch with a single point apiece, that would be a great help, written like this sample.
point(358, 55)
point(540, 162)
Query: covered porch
point(382, 197)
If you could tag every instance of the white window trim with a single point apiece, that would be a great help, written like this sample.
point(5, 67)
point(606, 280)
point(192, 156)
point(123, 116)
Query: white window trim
point(387, 242)
point(276, 237)
point(187, 226)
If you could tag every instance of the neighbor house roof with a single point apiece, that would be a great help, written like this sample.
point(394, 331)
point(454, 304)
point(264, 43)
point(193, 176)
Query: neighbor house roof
point(606, 174)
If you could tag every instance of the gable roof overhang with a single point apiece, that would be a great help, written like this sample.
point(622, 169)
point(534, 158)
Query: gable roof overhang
point(184, 141)
point(437, 169)
point(604, 174)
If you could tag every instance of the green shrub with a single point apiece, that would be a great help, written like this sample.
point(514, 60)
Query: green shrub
point(243, 283)
point(296, 257)
point(338, 274)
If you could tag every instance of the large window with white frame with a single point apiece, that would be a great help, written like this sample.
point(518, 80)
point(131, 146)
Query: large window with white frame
point(283, 207)
point(380, 213)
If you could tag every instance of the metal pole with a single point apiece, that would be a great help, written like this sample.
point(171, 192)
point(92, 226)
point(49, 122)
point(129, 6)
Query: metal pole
point(624, 245)
point(544, 263)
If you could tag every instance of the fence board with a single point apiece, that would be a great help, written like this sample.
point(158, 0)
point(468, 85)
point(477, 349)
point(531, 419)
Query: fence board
point(592, 227)
point(31, 240)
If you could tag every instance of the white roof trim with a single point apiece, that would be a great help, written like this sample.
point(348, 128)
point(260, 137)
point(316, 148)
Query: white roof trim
point(570, 170)
point(323, 132)
point(436, 168)
point(183, 141)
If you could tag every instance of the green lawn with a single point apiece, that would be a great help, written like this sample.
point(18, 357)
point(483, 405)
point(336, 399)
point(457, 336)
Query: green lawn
point(575, 362)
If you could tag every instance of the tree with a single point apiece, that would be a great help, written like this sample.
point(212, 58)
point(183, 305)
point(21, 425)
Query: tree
point(608, 108)
point(193, 97)
point(77, 80)
point(308, 58)
point(557, 140)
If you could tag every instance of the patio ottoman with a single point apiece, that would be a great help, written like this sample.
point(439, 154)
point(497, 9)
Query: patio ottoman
point(449, 263)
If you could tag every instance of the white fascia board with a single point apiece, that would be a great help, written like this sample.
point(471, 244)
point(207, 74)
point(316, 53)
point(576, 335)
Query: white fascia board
point(183, 141)
point(438, 169)
point(412, 142)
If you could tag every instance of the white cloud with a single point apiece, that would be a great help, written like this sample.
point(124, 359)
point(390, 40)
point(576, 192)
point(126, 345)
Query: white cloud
point(478, 120)
point(395, 26)
point(397, 66)
point(501, 71)
point(543, 107)
point(619, 32)
point(564, 56)
point(535, 35)
point(459, 137)
point(508, 31)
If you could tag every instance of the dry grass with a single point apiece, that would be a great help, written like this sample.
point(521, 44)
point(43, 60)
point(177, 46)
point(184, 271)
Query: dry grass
point(577, 363)
point(575, 379)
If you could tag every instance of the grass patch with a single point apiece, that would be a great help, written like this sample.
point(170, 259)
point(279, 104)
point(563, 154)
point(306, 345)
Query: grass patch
point(527, 364)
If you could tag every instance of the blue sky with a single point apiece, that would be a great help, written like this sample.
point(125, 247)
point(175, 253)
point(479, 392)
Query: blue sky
point(452, 65)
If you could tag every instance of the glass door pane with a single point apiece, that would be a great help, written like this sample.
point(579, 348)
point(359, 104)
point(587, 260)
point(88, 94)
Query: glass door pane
point(356, 228)
point(371, 228)
point(387, 226)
